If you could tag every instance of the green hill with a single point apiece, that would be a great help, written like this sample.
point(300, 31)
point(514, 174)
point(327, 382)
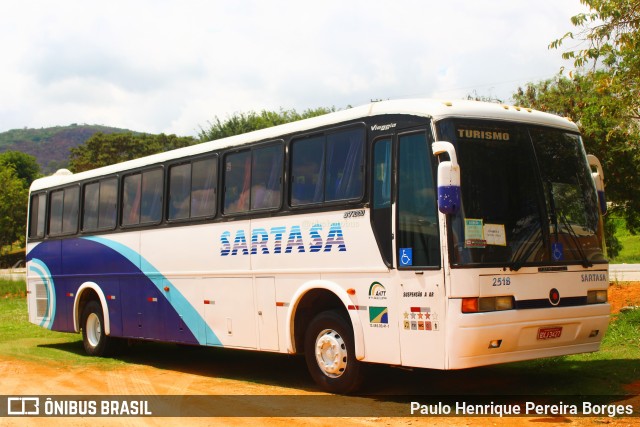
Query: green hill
point(50, 146)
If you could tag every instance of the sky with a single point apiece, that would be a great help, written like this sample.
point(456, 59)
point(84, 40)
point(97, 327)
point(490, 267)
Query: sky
point(174, 66)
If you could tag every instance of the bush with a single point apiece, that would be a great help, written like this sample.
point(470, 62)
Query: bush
point(11, 259)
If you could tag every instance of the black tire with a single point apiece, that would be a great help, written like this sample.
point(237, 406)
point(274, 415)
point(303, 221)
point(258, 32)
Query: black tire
point(95, 340)
point(330, 353)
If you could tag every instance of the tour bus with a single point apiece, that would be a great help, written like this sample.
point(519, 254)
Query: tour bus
point(413, 233)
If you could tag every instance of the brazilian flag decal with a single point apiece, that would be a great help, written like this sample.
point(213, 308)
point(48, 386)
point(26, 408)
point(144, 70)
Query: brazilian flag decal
point(378, 315)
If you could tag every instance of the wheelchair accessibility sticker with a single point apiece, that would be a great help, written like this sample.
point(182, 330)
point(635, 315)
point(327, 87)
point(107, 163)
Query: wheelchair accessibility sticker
point(557, 251)
point(406, 257)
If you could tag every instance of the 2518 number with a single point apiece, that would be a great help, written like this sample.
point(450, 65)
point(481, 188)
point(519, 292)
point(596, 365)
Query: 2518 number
point(501, 281)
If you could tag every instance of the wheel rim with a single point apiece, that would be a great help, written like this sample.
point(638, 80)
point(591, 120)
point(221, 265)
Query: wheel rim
point(331, 353)
point(94, 329)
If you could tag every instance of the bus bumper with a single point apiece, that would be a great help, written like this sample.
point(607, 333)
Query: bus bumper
point(477, 339)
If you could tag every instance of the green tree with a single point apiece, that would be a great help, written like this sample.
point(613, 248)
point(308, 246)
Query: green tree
point(610, 42)
point(607, 136)
point(241, 123)
point(13, 207)
point(25, 166)
point(106, 149)
point(602, 98)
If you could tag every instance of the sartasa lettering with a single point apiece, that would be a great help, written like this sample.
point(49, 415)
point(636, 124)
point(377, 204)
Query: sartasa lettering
point(273, 241)
point(595, 277)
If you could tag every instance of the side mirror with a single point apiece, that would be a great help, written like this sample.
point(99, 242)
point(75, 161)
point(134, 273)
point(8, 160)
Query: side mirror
point(598, 178)
point(448, 178)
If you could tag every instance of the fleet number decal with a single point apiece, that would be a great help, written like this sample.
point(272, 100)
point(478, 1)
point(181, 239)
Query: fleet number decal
point(354, 214)
point(501, 281)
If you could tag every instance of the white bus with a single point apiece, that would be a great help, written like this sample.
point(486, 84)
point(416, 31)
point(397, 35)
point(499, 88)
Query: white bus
point(414, 233)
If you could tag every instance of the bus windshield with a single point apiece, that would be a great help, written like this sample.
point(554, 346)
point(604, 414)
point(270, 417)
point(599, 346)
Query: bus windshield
point(527, 197)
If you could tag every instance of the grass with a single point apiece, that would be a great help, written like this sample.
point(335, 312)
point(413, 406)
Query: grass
point(630, 253)
point(26, 341)
point(604, 373)
point(623, 337)
point(12, 288)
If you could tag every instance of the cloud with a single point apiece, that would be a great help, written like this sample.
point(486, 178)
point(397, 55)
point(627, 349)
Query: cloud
point(170, 66)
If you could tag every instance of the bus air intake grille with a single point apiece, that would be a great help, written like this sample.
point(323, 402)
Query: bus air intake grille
point(41, 291)
point(545, 303)
point(41, 300)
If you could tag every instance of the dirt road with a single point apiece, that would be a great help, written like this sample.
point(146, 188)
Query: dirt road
point(155, 369)
point(24, 378)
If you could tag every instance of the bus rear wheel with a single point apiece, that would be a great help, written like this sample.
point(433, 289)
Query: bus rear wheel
point(95, 340)
point(330, 353)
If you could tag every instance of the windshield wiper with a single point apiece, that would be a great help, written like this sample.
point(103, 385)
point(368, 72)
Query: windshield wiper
point(526, 253)
point(576, 241)
point(517, 264)
point(554, 213)
point(552, 210)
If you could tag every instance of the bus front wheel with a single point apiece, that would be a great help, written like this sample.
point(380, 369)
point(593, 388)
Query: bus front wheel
point(330, 354)
point(95, 340)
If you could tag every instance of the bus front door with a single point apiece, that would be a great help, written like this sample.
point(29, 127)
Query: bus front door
point(417, 254)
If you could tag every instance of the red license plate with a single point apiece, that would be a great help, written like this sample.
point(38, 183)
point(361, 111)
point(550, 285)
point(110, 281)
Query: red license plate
point(549, 333)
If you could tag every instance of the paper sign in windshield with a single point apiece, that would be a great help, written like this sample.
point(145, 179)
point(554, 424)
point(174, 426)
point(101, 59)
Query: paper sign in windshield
point(494, 234)
point(474, 233)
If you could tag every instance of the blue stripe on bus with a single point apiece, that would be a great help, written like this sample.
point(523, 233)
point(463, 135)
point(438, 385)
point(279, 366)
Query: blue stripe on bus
point(115, 267)
point(189, 314)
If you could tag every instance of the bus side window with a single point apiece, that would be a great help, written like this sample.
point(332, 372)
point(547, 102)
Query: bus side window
point(179, 191)
point(192, 189)
point(91, 205)
point(307, 171)
point(204, 175)
point(381, 194)
point(71, 210)
point(131, 199)
point(417, 212)
point(55, 213)
point(37, 215)
point(99, 205)
point(266, 177)
point(142, 198)
point(151, 202)
point(345, 170)
point(328, 168)
point(237, 182)
point(108, 207)
point(63, 218)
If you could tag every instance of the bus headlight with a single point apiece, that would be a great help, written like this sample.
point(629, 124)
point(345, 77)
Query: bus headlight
point(597, 297)
point(486, 304)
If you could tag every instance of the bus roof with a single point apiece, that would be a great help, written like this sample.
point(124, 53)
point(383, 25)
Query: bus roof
point(435, 109)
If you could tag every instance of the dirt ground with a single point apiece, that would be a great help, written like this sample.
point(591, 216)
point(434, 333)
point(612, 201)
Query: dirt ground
point(624, 294)
point(238, 375)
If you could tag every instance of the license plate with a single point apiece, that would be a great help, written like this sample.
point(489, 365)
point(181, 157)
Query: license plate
point(549, 333)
